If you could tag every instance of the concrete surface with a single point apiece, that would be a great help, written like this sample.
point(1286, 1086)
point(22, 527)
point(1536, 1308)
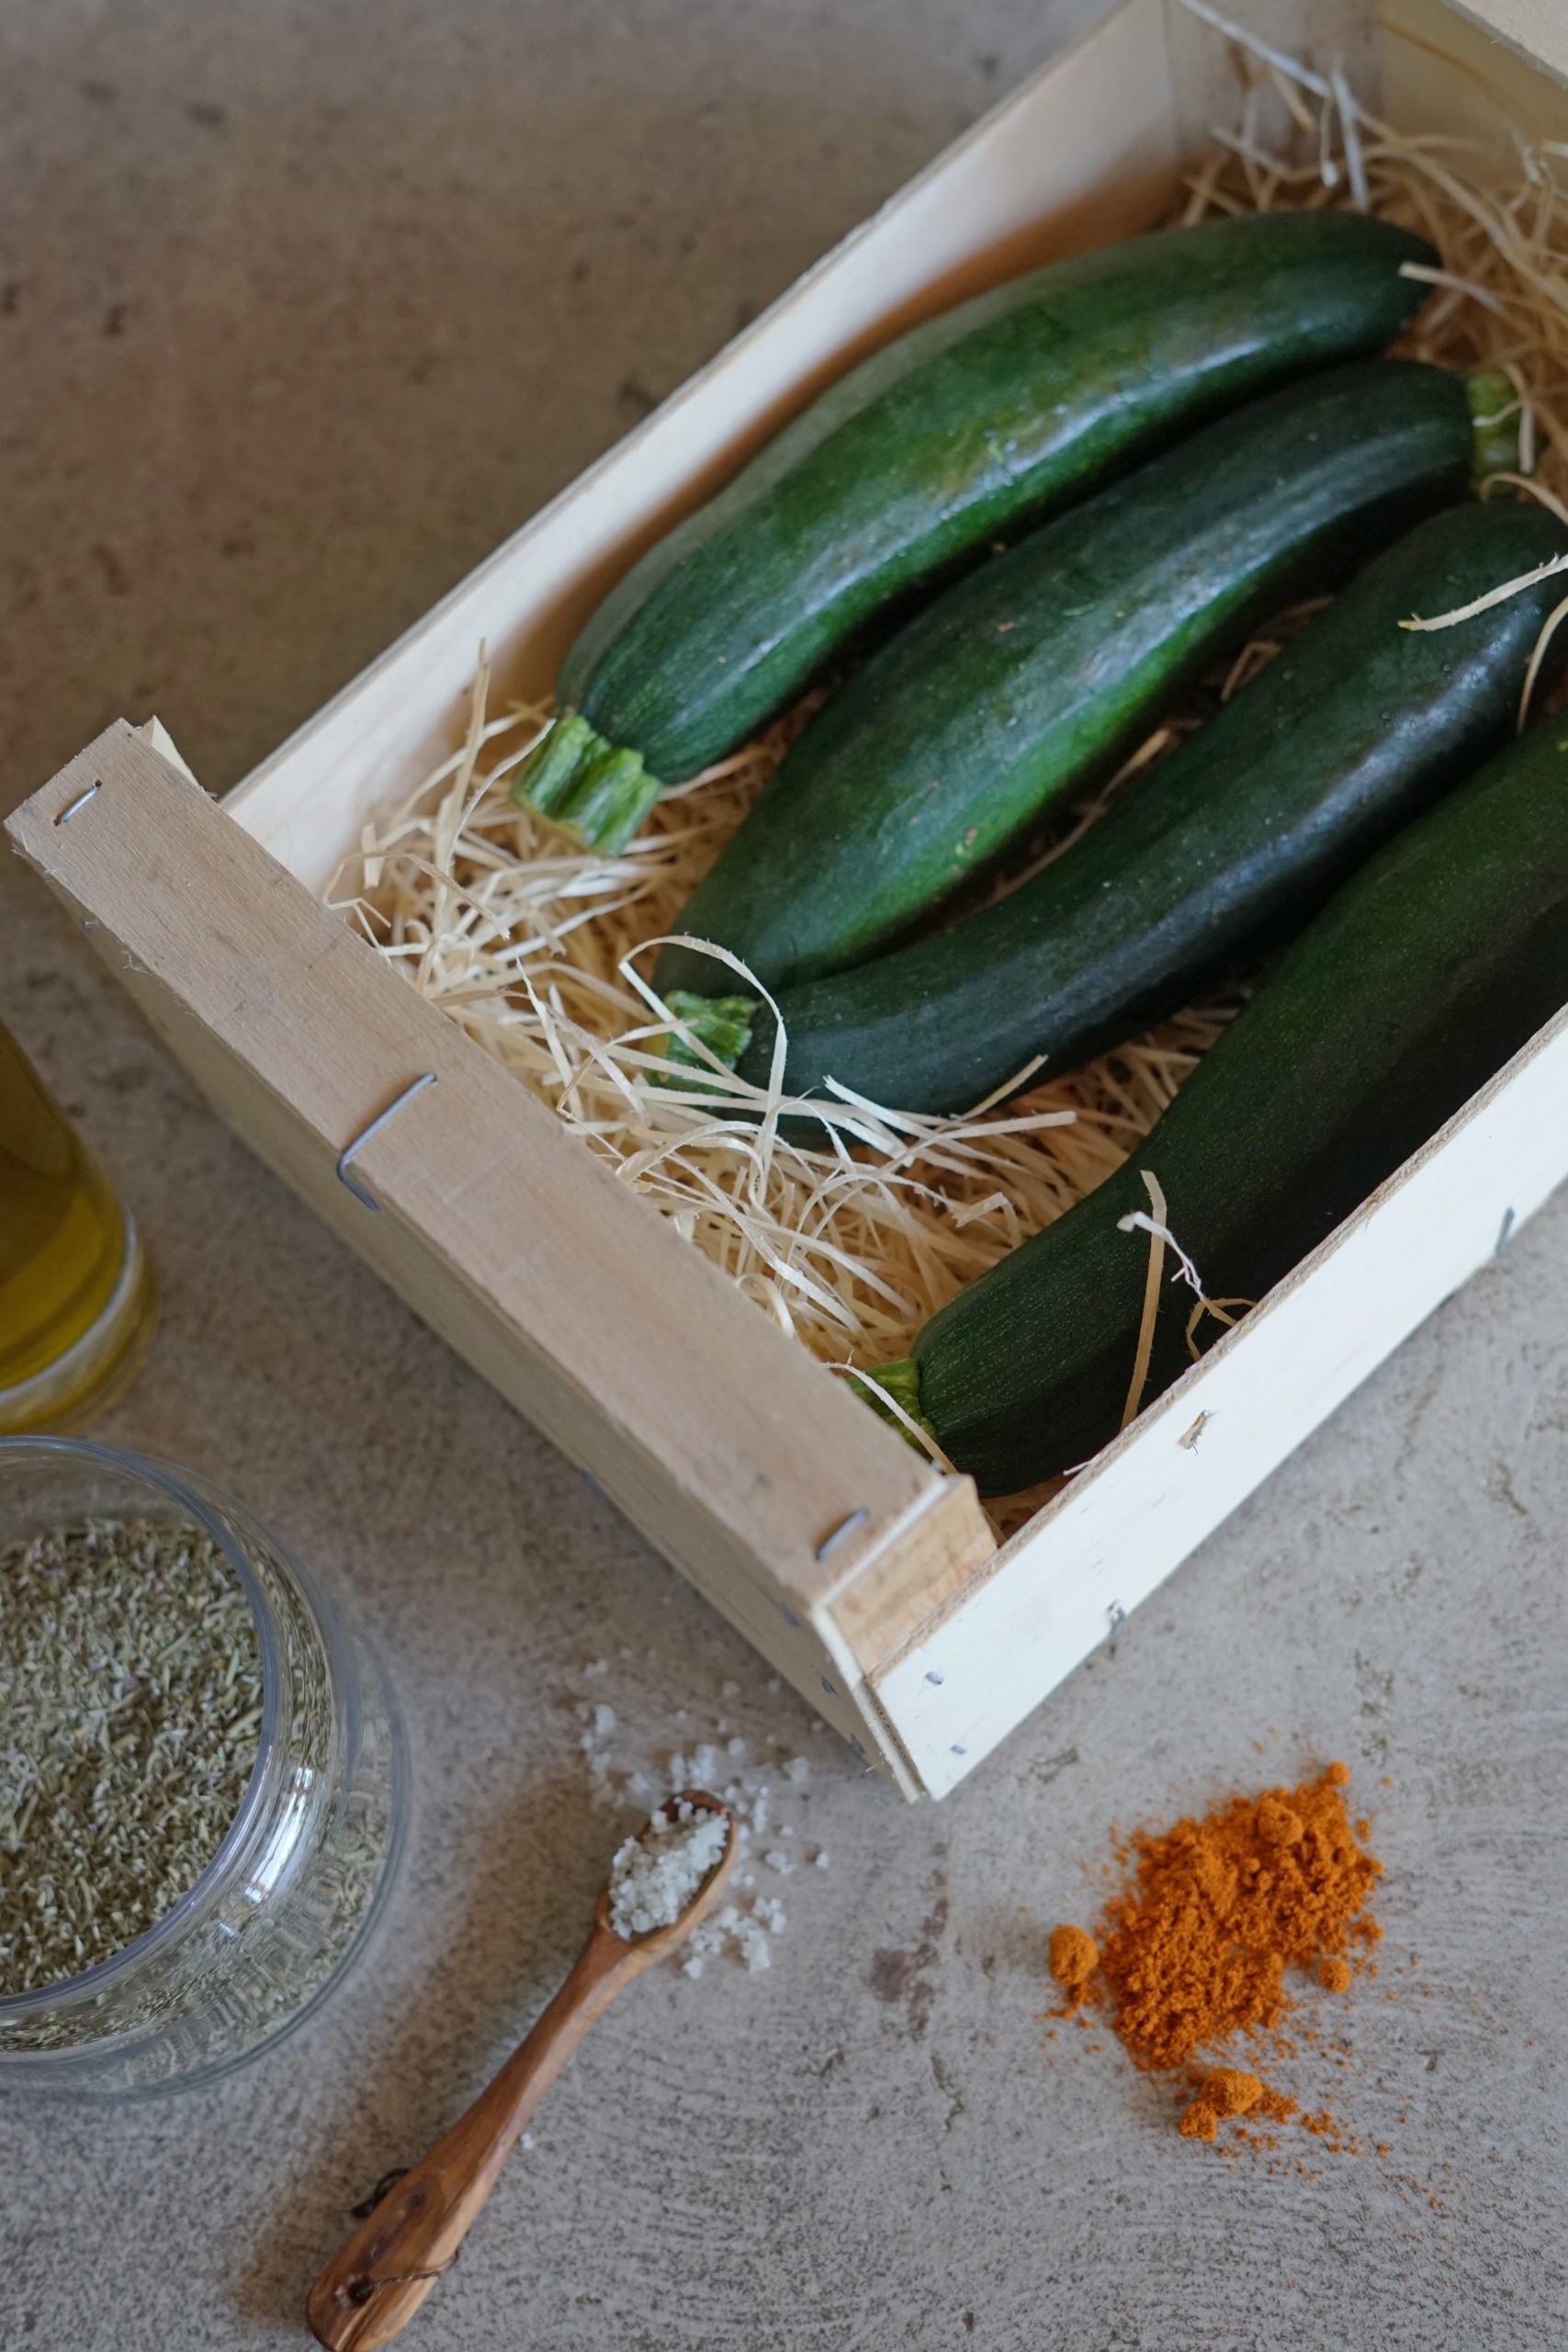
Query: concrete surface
point(302, 308)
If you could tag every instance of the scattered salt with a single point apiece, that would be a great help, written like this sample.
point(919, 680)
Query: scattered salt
point(753, 1946)
point(527, 2139)
point(730, 1691)
point(775, 1683)
point(596, 1665)
point(654, 1878)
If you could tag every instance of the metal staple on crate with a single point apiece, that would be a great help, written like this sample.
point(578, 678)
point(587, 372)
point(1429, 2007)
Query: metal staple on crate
point(835, 1536)
point(63, 815)
point(357, 1144)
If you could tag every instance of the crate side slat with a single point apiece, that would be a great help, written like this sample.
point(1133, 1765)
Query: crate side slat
point(729, 1446)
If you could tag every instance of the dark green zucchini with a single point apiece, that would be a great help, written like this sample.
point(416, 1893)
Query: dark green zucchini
point(998, 411)
point(1432, 965)
point(1036, 672)
point(1232, 840)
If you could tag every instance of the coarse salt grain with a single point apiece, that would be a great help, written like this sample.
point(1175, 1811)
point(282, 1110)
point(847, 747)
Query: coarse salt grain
point(797, 1769)
point(753, 1945)
point(654, 1878)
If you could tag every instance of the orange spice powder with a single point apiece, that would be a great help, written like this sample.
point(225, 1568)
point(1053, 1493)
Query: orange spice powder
point(1194, 1950)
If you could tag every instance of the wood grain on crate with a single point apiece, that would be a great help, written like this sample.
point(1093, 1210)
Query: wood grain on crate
point(732, 1450)
point(1538, 29)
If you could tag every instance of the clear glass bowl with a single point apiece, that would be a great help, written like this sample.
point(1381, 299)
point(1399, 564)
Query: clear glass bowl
point(304, 1870)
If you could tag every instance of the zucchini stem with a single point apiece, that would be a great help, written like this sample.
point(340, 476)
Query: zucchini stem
point(597, 791)
point(723, 1023)
point(901, 1381)
point(1496, 415)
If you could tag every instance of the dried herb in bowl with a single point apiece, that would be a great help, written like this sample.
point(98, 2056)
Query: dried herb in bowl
point(131, 1703)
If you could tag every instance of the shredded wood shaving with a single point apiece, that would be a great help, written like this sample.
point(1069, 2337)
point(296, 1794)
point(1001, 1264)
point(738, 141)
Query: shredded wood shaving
point(537, 948)
point(1159, 1233)
point(1498, 596)
point(1554, 618)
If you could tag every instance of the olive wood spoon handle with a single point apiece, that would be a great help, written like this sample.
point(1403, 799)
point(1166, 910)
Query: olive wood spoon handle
point(374, 2285)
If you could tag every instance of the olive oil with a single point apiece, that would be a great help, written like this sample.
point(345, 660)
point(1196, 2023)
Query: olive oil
point(77, 1301)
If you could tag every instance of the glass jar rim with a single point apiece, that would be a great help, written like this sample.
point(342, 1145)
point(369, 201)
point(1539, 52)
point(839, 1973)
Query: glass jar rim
point(169, 1480)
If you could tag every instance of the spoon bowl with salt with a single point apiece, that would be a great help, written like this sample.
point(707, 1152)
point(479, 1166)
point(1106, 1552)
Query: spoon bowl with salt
point(662, 1883)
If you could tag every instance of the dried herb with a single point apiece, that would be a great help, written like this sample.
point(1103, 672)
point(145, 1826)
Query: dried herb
point(131, 1701)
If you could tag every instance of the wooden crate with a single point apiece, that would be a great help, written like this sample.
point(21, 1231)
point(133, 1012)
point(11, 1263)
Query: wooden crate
point(871, 1581)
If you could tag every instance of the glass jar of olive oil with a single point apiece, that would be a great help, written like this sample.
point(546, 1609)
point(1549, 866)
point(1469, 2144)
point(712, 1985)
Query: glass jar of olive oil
point(77, 1299)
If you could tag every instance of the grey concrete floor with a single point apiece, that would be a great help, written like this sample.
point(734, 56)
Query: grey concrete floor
point(301, 310)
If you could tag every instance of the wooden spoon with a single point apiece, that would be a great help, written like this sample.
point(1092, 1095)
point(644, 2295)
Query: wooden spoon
point(376, 2283)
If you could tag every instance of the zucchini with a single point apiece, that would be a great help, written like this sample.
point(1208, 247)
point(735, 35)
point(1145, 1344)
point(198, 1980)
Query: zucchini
point(1432, 965)
point(999, 409)
point(1237, 836)
point(1037, 672)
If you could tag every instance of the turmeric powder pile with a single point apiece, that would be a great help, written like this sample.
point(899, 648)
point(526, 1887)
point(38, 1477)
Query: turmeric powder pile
point(1195, 1948)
